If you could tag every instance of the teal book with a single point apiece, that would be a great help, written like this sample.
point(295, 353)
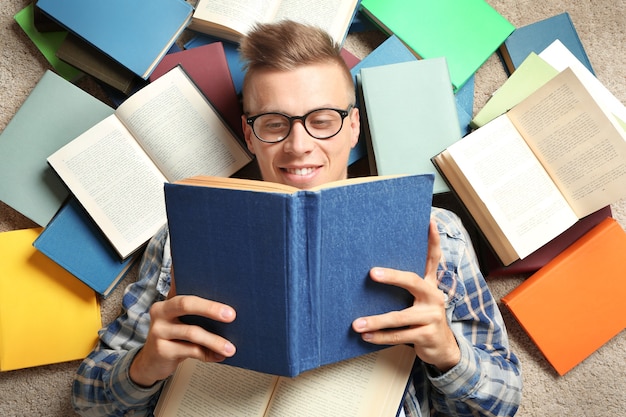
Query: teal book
point(393, 51)
point(465, 32)
point(409, 114)
point(295, 263)
point(137, 33)
point(73, 241)
point(537, 36)
point(54, 113)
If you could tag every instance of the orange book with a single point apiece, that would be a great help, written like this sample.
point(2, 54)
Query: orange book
point(572, 305)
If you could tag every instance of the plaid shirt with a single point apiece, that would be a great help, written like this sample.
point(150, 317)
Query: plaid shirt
point(486, 381)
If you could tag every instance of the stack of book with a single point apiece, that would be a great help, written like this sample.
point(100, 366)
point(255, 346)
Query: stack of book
point(533, 173)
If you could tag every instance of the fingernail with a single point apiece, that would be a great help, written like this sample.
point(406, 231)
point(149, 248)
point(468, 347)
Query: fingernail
point(229, 348)
point(360, 324)
point(378, 272)
point(367, 336)
point(226, 313)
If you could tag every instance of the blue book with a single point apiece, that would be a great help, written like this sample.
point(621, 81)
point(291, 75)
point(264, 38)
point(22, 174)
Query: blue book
point(295, 263)
point(393, 51)
point(74, 242)
point(137, 33)
point(537, 36)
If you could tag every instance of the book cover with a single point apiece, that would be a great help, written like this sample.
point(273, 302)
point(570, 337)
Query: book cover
point(73, 241)
point(565, 307)
point(390, 51)
point(295, 264)
point(55, 112)
point(46, 315)
point(46, 42)
point(465, 32)
point(208, 68)
point(410, 114)
point(137, 34)
point(537, 36)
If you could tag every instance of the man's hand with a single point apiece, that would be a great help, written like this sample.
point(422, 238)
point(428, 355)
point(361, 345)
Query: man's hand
point(424, 324)
point(170, 341)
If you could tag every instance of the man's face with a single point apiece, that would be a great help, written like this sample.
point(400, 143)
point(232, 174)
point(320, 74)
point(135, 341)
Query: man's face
point(301, 160)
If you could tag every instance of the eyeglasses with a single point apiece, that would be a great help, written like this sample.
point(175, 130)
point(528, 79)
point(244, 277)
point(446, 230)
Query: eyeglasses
point(319, 123)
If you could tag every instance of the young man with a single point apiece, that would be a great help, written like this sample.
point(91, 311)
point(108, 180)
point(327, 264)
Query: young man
point(300, 122)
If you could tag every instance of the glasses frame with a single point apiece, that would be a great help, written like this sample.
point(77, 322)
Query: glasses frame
point(343, 113)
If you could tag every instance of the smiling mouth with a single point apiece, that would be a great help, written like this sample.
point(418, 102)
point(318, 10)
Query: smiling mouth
point(300, 171)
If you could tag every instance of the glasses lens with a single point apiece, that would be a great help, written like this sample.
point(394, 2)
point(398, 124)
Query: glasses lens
point(271, 127)
point(323, 123)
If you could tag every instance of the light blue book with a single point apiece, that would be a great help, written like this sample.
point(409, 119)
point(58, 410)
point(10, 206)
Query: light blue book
point(137, 33)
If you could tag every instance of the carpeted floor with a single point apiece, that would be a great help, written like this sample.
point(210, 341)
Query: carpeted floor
point(597, 387)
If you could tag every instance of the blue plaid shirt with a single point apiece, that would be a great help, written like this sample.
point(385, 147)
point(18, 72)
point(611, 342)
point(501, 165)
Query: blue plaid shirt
point(486, 381)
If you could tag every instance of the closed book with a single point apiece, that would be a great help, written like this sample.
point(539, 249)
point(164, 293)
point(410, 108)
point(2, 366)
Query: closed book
point(55, 112)
point(465, 32)
point(137, 33)
point(295, 264)
point(410, 115)
point(73, 241)
point(537, 36)
point(572, 306)
point(46, 315)
point(89, 59)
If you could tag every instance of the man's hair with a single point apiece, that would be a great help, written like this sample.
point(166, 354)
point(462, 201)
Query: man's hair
point(287, 45)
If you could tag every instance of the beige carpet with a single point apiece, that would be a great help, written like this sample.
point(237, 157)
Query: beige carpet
point(597, 387)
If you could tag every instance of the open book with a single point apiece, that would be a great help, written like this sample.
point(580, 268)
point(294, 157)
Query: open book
point(529, 174)
point(230, 19)
point(367, 386)
point(295, 264)
point(165, 132)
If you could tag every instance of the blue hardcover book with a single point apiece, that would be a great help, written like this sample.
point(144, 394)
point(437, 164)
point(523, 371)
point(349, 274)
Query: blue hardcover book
point(74, 242)
point(393, 51)
point(137, 33)
point(537, 36)
point(295, 263)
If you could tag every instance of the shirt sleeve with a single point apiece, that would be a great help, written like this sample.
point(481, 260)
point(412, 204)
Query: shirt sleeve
point(102, 385)
point(487, 380)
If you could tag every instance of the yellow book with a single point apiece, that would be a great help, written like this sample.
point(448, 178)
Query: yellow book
point(46, 314)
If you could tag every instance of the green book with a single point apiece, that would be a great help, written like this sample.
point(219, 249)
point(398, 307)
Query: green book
point(529, 76)
point(466, 32)
point(46, 42)
point(409, 115)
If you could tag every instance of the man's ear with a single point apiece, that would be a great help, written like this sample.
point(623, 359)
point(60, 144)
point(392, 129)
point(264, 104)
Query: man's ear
point(247, 133)
point(355, 124)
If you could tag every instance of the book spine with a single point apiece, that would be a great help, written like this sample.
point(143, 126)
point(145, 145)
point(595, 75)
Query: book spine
point(303, 236)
